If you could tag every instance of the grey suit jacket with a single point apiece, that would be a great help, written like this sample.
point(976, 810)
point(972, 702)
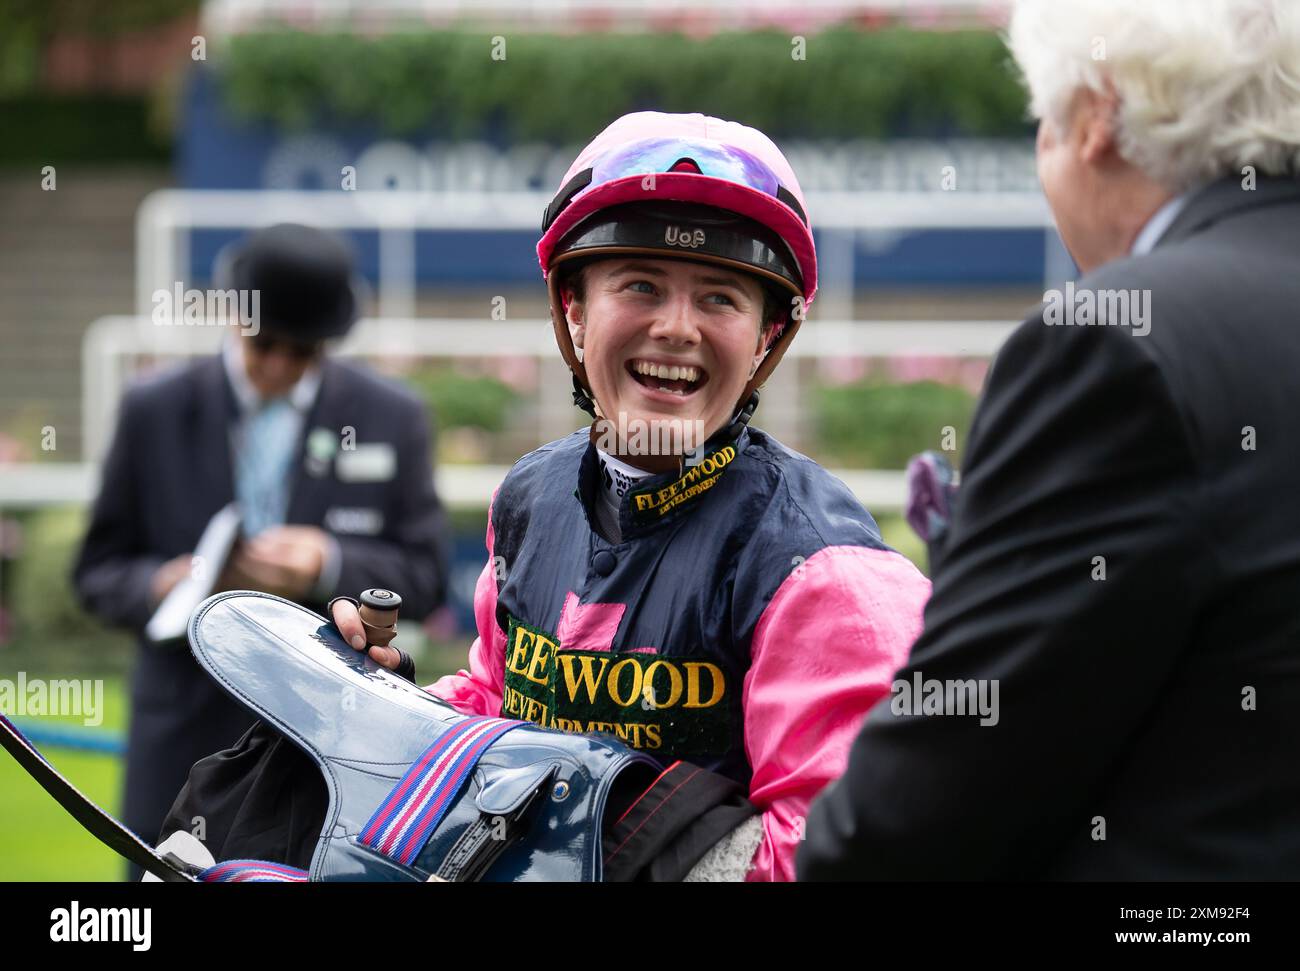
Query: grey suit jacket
point(1124, 567)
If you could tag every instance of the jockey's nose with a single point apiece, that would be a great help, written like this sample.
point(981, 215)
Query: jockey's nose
point(677, 322)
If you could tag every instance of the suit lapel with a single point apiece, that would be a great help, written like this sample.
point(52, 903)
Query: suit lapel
point(214, 408)
point(307, 491)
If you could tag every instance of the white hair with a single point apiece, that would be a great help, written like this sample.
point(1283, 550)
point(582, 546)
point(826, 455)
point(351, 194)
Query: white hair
point(1205, 87)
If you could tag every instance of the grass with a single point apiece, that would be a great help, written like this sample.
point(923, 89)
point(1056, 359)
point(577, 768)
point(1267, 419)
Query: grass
point(895, 531)
point(38, 839)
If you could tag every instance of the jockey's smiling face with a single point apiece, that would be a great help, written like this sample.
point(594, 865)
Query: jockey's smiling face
point(667, 339)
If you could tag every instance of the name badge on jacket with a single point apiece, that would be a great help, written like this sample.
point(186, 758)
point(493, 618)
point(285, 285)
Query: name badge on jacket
point(371, 462)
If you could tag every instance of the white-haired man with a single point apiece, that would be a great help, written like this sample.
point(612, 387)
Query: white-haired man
point(1108, 686)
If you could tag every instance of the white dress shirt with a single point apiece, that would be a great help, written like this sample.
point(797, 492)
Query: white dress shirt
point(1160, 221)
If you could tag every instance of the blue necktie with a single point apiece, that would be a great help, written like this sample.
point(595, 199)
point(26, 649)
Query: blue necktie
point(262, 470)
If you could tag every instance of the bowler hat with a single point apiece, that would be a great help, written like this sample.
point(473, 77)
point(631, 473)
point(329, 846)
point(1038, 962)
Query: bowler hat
point(308, 289)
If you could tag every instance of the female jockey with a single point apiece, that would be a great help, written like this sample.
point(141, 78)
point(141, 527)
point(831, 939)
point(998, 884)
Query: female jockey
point(673, 576)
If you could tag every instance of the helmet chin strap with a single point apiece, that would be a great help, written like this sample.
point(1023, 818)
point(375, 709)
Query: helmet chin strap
point(742, 417)
point(580, 397)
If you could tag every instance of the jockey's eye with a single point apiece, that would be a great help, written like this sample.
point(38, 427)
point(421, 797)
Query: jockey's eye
point(725, 298)
point(635, 284)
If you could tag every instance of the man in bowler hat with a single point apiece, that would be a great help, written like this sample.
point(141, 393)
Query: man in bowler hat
point(328, 464)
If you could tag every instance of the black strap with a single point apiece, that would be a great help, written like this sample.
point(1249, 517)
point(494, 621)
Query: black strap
point(329, 607)
point(564, 197)
point(405, 666)
point(581, 399)
point(94, 820)
point(785, 195)
point(487, 838)
point(474, 852)
point(743, 416)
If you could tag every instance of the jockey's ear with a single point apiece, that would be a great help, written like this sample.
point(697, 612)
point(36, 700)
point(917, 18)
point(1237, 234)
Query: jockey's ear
point(574, 315)
point(765, 335)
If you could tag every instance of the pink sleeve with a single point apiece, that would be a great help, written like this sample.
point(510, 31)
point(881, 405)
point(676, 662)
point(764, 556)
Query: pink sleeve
point(824, 651)
point(478, 691)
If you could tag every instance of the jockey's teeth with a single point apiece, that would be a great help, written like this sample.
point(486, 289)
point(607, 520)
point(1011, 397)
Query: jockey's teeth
point(669, 372)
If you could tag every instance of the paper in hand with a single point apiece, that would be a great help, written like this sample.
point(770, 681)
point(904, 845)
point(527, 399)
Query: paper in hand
point(173, 614)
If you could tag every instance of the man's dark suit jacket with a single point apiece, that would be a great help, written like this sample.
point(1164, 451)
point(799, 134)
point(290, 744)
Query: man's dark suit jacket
point(1158, 707)
point(169, 470)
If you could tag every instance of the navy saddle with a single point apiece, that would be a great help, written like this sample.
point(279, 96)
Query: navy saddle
point(417, 790)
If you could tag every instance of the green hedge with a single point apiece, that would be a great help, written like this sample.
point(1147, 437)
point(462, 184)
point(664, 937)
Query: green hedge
point(852, 83)
point(460, 400)
point(874, 424)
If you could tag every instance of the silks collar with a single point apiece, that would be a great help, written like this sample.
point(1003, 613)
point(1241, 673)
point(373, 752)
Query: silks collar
point(665, 496)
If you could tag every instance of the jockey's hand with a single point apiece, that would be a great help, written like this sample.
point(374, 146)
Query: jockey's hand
point(348, 619)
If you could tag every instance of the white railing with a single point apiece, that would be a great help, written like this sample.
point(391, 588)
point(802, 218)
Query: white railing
point(110, 343)
point(37, 484)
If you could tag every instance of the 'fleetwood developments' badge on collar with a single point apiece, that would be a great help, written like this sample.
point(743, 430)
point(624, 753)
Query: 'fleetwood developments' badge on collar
point(652, 502)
